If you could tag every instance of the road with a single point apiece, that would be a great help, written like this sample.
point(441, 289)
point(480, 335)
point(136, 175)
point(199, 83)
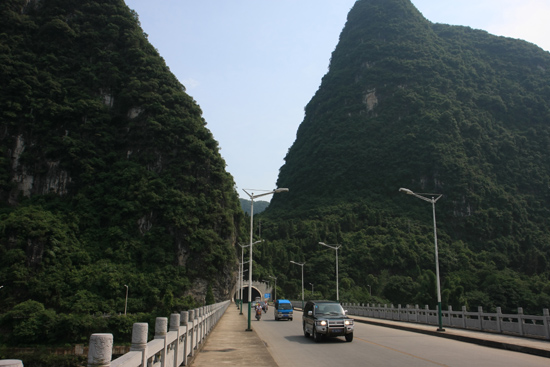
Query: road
point(378, 346)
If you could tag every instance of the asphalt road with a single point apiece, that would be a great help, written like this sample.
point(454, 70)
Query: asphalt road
point(378, 346)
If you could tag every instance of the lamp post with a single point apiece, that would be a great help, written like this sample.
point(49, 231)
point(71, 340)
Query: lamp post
point(433, 201)
point(334, 247)
point(302, 265)
point(252, 197)
point(275, 289)
point(241, 276)
point(126, 302)
point(370, 291)
point(311, 284)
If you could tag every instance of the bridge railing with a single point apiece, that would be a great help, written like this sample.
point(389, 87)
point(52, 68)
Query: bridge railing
point(513, 324)
point(170, 347)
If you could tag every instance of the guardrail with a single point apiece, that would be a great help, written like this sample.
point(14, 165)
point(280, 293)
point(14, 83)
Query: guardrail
point(170, 347)
point(513, 324)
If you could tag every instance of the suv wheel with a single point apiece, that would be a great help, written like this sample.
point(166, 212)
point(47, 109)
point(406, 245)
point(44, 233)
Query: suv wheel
point(306, 334)
point(349, 337)
point(316, 336)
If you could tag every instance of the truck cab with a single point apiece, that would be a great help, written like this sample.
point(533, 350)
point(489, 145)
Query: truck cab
point(283, 310)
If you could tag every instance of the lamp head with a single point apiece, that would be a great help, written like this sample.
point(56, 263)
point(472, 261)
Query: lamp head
point(406, 191)
point(282, 189)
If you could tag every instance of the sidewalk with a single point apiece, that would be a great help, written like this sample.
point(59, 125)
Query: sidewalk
point(230, 344)
point(509, 342)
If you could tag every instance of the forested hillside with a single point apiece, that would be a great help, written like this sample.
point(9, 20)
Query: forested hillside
point(436, 109)
point(109, 178)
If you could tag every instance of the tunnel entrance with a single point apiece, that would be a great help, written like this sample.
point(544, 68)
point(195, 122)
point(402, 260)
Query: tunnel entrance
point(255, 293)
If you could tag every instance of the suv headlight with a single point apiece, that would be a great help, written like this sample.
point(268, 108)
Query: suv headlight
point(322, 323)
point(348, 322)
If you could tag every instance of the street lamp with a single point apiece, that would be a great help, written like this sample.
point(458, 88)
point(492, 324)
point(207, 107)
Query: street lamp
point(311, 284)
point(242, 271)
point(302, 265)
point(252, 197)
point(241, 276)
point(126, 302)
point(334, 247)
point(433, 201)
point(275, 290)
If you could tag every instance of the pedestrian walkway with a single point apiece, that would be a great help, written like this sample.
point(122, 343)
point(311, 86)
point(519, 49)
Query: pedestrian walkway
point(230, 344)
point(502, 341)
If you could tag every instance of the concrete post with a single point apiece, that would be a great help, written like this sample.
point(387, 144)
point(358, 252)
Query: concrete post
point(520, 320)
point(11, 363)
point(464, 317)
point(139, 340)
point(546, 322)
point(499, 319)
point(175, 326)
point(480, 317)
point(161, 328)
point(192, 332)
point(196, 331)
point(101, 350)
point(184, 318)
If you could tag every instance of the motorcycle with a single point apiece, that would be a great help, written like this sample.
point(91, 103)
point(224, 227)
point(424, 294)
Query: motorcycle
point(258, 314)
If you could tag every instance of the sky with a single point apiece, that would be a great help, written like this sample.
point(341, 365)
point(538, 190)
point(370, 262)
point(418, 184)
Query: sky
point(253, 65)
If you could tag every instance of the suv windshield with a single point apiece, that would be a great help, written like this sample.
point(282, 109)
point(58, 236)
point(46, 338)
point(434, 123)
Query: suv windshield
point(331, 309)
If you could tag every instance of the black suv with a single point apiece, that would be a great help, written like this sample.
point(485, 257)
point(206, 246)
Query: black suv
point(326, 318)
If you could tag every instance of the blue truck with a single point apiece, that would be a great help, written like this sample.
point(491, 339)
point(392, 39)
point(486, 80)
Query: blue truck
point(283, 310)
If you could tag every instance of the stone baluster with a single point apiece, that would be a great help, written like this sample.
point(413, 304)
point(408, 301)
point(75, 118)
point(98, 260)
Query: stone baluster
point(192, 332)
point(499, 319)
point(161, 330)
point(139, 340)
point(520, 320)
point(546, 322)
point(175, 326)
point(480, 317)
point(11, 363)
point(184, 318)
point(101, 350)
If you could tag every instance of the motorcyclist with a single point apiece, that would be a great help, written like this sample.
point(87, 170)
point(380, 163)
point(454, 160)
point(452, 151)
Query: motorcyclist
point(258, 309)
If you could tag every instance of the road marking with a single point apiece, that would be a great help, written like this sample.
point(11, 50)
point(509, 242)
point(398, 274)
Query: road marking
point(400, 351)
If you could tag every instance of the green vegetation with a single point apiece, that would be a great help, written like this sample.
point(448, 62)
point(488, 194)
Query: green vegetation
point(433, 108)
point(259, 206)
point(108, 177)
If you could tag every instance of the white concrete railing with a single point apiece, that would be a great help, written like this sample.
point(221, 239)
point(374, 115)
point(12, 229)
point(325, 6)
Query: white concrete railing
point(513, 324)
point(170, 347)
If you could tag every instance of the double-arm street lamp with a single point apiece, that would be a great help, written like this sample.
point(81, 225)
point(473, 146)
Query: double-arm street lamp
point(252, 197)
point(334, 247)
point(432, 200)
point(302, 265)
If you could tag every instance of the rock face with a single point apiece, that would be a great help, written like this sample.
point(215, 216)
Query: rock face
point(410, 103)
point(100, 138)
